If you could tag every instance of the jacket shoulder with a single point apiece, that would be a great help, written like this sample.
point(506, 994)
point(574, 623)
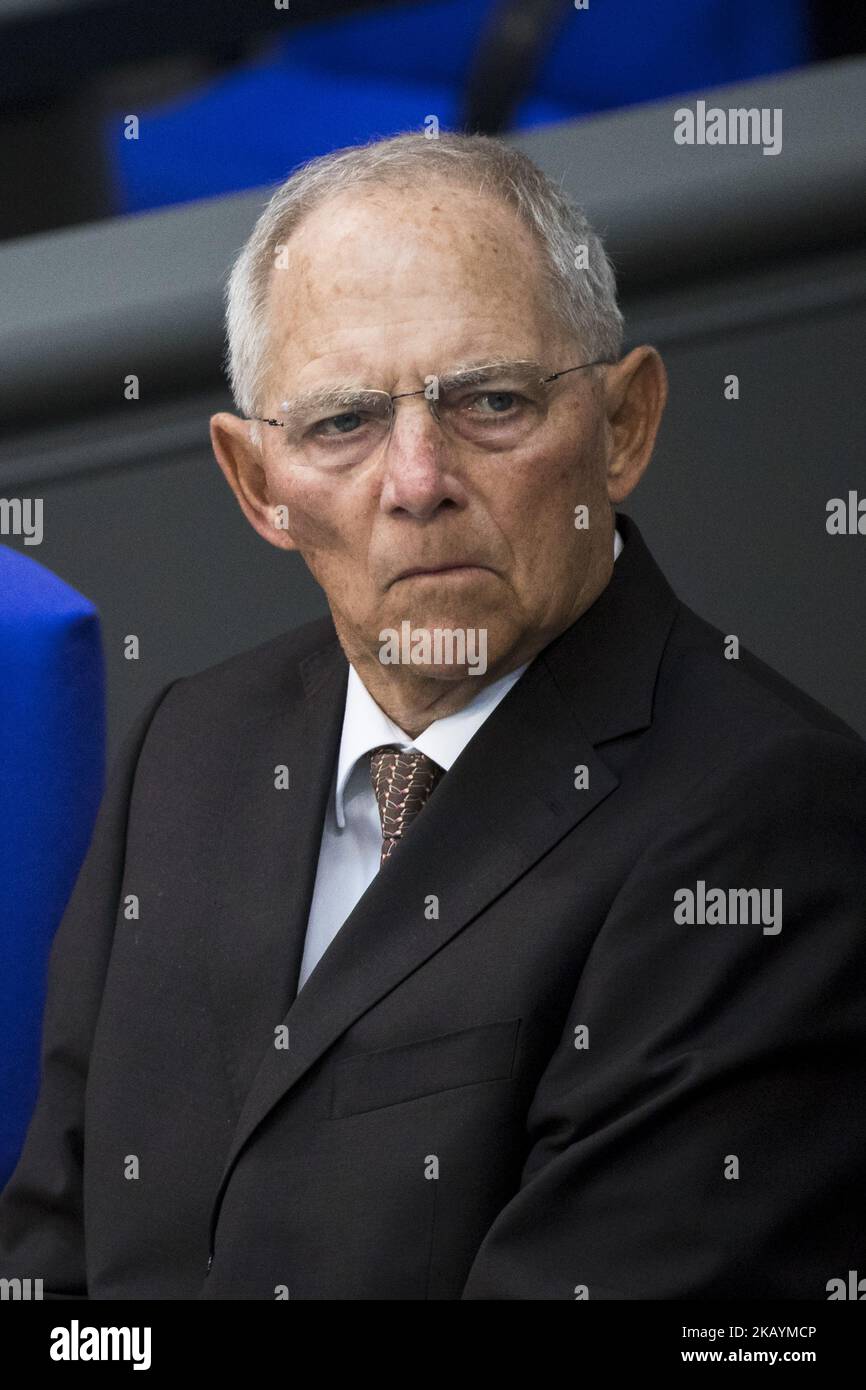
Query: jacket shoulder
point(253, 683)
point(731, 701)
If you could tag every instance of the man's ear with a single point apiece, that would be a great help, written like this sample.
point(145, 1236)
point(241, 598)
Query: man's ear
point(635, 392)
point(243, 463)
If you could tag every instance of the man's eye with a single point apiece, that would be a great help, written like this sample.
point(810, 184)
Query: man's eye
point(497, 402)
point(347, 423)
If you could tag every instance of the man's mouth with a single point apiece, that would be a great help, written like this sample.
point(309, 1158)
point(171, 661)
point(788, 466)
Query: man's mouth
point(459, 567)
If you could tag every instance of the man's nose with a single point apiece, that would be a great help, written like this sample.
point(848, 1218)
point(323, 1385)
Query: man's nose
point(418, 459)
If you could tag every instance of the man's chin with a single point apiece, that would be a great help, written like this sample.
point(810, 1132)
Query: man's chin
point(447, 647)
point(454, 673)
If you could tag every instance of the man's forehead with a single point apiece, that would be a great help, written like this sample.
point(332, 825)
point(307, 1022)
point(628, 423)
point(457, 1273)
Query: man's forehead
point(394, 230)
point(383, 309)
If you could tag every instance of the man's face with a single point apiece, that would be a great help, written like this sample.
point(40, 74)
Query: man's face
point(385, 288)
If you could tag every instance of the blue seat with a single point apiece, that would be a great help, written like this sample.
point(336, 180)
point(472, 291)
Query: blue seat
point(349, 79)
point(52, 769)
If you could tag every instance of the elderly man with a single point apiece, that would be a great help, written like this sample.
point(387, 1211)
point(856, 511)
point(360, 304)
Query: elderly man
point(501, 936)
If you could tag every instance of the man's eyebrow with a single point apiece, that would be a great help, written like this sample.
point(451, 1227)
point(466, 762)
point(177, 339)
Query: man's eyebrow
point(324, 399)
point(473, 373)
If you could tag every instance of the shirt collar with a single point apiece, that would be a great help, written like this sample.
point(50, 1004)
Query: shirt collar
point(366, 725)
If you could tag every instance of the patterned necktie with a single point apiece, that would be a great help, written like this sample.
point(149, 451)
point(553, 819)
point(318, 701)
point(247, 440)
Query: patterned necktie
point(402, 780)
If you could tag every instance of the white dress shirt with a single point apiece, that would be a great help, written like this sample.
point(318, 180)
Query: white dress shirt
point(352, 833)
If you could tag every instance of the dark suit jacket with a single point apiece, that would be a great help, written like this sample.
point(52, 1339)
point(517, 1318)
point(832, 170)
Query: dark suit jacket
point(432, 1131)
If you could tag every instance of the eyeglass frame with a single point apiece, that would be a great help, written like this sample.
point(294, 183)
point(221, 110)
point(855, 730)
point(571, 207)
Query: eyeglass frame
point(432, 400)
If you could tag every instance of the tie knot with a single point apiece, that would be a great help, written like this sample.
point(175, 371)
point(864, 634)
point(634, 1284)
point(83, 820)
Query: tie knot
point(402, 780)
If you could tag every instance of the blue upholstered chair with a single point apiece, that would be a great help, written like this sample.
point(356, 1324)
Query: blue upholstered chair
point(52, 767)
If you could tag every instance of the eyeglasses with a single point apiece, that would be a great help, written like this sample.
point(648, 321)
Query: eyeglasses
point(490, 408)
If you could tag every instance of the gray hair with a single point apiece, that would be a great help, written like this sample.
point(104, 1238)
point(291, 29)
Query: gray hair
point(582, 296)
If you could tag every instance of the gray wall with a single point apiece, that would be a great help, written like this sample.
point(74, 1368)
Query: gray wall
point(730, 262)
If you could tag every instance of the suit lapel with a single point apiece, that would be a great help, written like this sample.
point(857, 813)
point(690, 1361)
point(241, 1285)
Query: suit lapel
point(265, 864)
point(504, 803)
